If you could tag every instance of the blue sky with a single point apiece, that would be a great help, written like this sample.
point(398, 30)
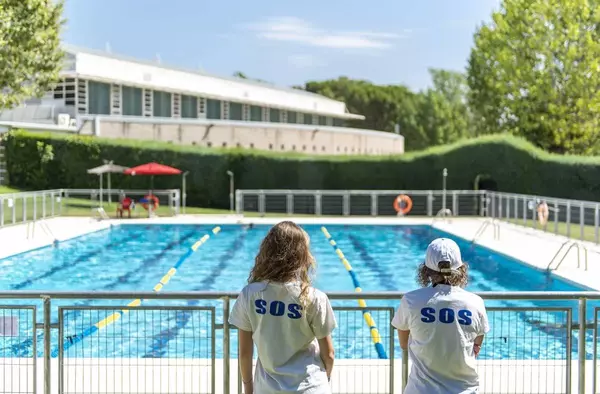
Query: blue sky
point(287, 42)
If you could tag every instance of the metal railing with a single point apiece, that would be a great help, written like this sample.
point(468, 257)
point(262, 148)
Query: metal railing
point(17, 208)
point(358, 202)
point(182, 343)
point(484, 226)
point(568, 246)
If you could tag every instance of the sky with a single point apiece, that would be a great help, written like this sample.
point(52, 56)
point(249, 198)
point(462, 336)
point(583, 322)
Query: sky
point(286, 42)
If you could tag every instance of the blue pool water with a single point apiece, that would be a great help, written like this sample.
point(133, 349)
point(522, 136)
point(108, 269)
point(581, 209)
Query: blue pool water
point(135, 258)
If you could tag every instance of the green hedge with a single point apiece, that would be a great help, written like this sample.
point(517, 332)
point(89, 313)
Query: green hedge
point(514, 164)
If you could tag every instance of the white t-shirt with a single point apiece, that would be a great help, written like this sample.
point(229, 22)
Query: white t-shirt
point(443, 322)
point(286, 336)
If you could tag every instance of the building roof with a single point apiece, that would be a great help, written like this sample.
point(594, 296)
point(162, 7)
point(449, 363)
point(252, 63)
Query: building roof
point(108, 67)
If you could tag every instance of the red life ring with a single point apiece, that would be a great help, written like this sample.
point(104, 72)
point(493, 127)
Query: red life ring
point(403, 198)
point(154, 199)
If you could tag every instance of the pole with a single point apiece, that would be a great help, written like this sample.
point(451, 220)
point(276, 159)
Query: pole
point(231, 189)
point(184, 194)
point(445, 174)
point(109, 186)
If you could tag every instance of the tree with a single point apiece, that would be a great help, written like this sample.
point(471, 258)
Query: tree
point(30, 53)
point(444, 113)
point(534, 71)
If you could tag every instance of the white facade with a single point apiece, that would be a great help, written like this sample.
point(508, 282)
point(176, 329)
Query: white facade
point(105, 67)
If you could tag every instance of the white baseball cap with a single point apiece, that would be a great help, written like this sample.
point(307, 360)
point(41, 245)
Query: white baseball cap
point(443, 249)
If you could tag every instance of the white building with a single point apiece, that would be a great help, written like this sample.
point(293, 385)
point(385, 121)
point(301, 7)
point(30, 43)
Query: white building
point(115, 96)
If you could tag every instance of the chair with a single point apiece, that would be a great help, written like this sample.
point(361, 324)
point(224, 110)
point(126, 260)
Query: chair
point(125, 205)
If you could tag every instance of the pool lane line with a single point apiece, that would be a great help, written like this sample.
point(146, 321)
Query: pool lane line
point(74, 339)
point(182, 318)
point(384, 279)
point(148, 262)
point(366, 314)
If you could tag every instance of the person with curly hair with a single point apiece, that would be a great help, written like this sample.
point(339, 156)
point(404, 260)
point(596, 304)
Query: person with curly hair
point(442, 325)
point(288, 320)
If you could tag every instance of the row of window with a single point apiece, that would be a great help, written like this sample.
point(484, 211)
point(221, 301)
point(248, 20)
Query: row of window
point(132, 101)
point(304, 147)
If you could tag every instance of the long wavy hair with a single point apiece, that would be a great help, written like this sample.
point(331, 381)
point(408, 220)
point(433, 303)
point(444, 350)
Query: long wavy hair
point(284, 256)
point(426, 276)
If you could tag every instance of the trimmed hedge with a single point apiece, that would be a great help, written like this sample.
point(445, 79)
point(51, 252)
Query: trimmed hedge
point(514, 164)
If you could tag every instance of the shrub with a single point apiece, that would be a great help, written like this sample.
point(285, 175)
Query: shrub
point(45, 160)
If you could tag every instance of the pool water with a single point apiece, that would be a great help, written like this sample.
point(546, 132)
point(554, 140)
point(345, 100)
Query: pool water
point(384, 258)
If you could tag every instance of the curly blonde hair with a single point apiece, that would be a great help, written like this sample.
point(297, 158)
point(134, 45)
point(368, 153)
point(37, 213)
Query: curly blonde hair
point(426, 276)
point(284, 256)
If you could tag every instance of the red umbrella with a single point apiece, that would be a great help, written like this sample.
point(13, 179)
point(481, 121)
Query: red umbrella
point(152, 169)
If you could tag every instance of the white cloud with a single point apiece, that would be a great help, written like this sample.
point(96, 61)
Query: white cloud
point(297, 30)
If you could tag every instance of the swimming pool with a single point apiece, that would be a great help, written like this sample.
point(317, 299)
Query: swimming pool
point(384, 258)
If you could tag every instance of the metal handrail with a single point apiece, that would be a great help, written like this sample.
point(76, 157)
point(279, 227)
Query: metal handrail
point(484, 226)
point(571, 245)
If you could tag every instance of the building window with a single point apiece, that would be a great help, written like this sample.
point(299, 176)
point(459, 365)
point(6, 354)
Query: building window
point(338, 122)
point(213, 109)
point(255, 113)
point(99, 98)
point(282, 147)
point(209, 144)
point(308, 119)
point(251, 145)
point(161, 104)
point(322, 121)
point(132, 101)
point(270, 146)
point(224, 144)
point(292, 117)
point(235, 111)
point(274, 115)
point(189, 107)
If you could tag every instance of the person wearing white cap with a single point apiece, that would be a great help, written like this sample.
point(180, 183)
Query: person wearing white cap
point(442, 325)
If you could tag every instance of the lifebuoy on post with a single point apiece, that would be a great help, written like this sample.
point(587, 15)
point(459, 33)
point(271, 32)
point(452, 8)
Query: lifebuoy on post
point(150, 198)
point(542, 213)
point(399, 200)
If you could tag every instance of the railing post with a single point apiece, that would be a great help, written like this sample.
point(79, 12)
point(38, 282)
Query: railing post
point(261, 203)
point(14, 209)
point(34, 208)
point(47, 342)
point(373, 204)
point(493, 206)
point(568, 218)
point(556, 211)
point(43, 205)
point(596, 220)
point(581, 350)
point(482, 200)
point(499, 206)
point(346, 204)
point(289, 203)
point(226, 343)
point(454, 203)
point(507, 208)
point(53, 202)
point(525, 211)
point(318, 203)
point(24, 209)
point(581, 221)
point(239, 202)
point(516, 214)
point(429, 203)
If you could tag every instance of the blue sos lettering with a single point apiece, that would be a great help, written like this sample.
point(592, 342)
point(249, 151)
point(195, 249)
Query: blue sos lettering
point(278, 308)
point(447, 315)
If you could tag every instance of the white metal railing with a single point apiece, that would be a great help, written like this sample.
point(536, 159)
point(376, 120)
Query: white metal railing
point(33, 206)
point(359, 202)
point(210, 356)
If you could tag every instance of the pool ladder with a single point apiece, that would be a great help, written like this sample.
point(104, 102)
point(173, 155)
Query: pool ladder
point(43, 225)
point(494, 223)
point(568, 245)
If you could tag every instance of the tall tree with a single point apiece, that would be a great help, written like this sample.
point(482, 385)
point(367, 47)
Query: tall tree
point(534, 71)
point(444, 113)
point(30, 53)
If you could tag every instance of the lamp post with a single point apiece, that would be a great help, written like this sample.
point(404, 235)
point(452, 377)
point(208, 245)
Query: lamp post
point(184, 193)
point(230, 190)
point(444, 175)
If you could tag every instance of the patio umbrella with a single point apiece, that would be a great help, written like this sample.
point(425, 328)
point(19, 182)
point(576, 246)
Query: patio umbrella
point(152, 169)
point(107, 168)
